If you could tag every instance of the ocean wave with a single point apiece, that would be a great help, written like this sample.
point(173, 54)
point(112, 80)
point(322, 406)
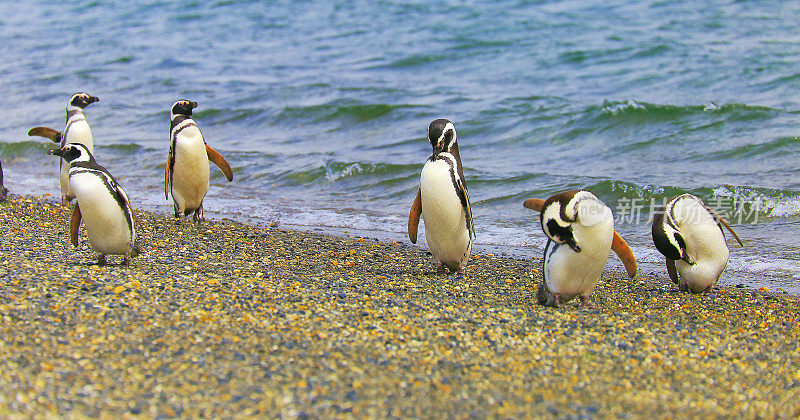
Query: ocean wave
point(24, 148)
point(632, 107)
point(344, 110)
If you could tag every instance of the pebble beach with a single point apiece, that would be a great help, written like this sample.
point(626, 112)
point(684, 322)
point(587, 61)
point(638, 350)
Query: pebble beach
point(225, 319)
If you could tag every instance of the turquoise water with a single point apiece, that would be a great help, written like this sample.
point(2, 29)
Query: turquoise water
point(322, 109)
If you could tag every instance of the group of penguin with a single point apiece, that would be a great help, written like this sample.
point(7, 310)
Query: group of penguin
point(579, 227)
point(102, 203)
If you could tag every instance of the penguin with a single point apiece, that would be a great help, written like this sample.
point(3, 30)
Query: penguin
point(689, 234)
point(76, 131)
point(3, 189)
point(102, 205)
point(443, 201)
point(187, 170)
point(580, 232)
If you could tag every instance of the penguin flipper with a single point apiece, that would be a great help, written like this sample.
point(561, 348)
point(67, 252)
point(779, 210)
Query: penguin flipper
point(220, 161)
point(166, 177)
point(673, 273)
point(623, 251)
point(74, 224)
point(47, 133)
point(413, 217)
point(721, 222)
point(461, 190)
point(536, 204)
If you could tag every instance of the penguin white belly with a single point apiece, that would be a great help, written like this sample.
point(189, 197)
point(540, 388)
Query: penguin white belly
point(571, 274)
point(445, 218)
point(706, 246)
point(190, 174)
point(105, 222)
point(78, 132)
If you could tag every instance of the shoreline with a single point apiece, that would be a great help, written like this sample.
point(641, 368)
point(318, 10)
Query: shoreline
point(228, 318)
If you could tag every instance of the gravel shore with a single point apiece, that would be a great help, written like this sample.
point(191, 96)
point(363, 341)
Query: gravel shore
point(224, 319)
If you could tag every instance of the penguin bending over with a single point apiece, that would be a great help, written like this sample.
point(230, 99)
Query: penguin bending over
point(443, 201)
point(76, 131)
point(690, 235)
point(580, 232)
point(187, 173)
point(102, 205)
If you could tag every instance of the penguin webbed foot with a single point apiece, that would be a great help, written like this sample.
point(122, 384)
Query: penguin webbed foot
point(199, 215)
point(441, 269)
point(462, 270)
point(101, 259)
point(126, 259)
point(586, 302)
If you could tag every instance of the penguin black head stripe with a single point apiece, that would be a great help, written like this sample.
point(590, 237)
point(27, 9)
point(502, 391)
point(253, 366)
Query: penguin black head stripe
point(667, 236)
point(73, 152)
point(82, 100)
point(442, 135)
point(183, 107)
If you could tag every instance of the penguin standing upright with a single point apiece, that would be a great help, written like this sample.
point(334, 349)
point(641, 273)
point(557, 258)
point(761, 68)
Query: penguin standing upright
point(443, 202)
point(3, 189)
point(101, 203)
point(580, 232)
point(187, 173)
point(690, 236)
point(76, 131)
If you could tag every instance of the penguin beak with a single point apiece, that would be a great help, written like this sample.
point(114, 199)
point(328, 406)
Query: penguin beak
point(56, 152)
point(574, 245)
point(93, 99)
point(194, 105)
point(569, 241)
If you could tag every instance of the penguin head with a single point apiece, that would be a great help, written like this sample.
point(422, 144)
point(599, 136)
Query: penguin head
point(182, 107)
point(562, 212)
point(72, 152)
point(667, 236)
point(81, 100)
point(442, 135)
point(557, 219)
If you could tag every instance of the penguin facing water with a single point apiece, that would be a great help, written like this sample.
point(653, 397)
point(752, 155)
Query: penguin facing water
point(689, 234)
point(443, 201)
point(76, 130)
point(101, 203)
point(187, 172)
point(580, 232)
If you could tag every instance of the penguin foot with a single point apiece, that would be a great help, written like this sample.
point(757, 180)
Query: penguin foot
point(199, 214)
point(586, 302)
point(441, 269)
point(126, 259)
point(683, 287)
point(462, 270)
point(558, 302)
point(101, 259)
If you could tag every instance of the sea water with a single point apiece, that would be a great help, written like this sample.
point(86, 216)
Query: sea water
point(322, 109)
